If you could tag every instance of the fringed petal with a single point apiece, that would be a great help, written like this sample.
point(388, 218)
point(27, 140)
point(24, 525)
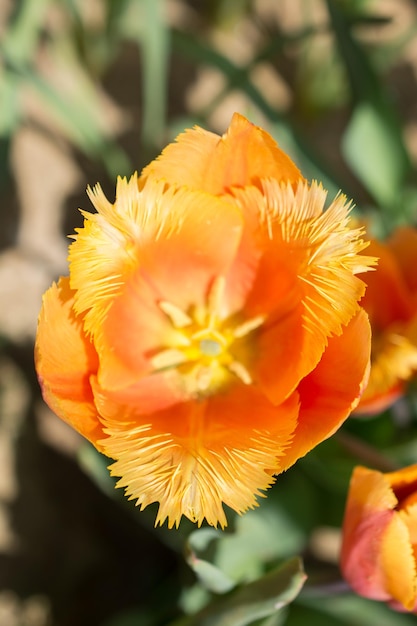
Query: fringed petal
point(193, 457)
point(241, 157)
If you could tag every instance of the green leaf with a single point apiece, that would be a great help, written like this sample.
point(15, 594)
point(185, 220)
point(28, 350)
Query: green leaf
point(261, 538)
point(210, 576)
point(259, 599)
point(155, 46)
point(9, 98)
point(374, 151)
point(23, 34)
point(277, 619)
point(200, 539)
point(352, 610)
point(372, 144)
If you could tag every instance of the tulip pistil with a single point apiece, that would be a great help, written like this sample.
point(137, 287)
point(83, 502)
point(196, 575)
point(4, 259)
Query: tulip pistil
point(210, 347)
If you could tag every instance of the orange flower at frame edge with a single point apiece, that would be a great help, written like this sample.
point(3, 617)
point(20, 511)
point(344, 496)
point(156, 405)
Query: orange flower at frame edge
point(379, 546)
point(391, 303)
point(209, 333)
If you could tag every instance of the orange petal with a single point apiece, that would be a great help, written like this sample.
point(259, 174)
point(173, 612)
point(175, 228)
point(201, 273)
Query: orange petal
point(403, 245)
point(242, 156)
point(134, 329)
point(186, 161)
point(277, 367)
point(387, 299)
point(197, 244)
point(394, 361)
point(65, 360)
point(408, 514)
point(400, 545)
point(156, 392)
point(196, 455)
point(397, 563)
point(369, 513)
point(372, 404)
point(403, 481)
point(332, 390)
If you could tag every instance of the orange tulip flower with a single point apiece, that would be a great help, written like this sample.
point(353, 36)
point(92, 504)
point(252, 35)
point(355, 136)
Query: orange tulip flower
point(391, 302)
point(379, 546)
point(209, 333)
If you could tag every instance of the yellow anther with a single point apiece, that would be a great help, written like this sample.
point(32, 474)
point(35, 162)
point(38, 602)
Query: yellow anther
point(178, 317)
point(168, 358)
point(240, 371)
point(248, 326)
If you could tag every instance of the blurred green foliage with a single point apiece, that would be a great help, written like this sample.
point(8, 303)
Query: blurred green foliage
point(248, 574)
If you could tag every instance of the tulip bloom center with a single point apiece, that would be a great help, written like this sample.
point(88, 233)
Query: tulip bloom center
point(207, 349)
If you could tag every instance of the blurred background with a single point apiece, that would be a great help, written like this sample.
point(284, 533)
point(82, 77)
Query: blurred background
point(90, 90)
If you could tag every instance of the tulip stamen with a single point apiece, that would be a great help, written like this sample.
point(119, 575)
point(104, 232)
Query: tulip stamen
point(240, 371)
point(178, 317)
point(203, 350)
point(247, 327)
